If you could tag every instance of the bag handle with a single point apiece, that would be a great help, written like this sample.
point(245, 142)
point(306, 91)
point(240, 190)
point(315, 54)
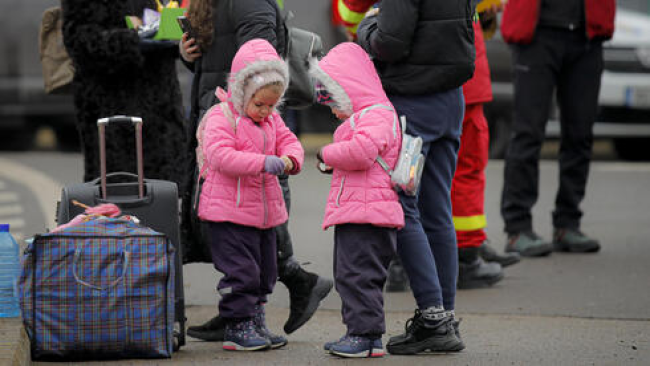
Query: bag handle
point(77, 257)
point(137, 123)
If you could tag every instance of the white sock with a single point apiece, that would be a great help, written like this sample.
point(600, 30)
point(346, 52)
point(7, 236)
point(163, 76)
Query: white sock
point(434, 313)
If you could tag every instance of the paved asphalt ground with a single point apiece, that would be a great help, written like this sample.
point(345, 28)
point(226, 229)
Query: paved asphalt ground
point(565, 309)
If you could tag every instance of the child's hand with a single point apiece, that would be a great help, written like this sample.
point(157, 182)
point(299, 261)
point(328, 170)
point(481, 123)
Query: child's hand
point(288, 163)
point(324, 168)
point(321, 166)
point(274, 165)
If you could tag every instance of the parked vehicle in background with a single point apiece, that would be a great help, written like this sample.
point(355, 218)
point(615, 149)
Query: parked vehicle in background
point(624, 102)
point(624, 110)
point(24, 106)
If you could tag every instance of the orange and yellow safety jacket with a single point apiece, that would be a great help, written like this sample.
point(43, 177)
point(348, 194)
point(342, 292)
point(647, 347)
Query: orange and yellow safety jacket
point(349, 13)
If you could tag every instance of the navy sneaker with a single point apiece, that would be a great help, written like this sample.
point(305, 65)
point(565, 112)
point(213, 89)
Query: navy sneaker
point(328, 345)
point(351, 346)
point(277, 341)
point(243, 335)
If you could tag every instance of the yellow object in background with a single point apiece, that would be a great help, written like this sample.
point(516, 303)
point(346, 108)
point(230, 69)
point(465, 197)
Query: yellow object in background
point(486, 4)
point(170, 5)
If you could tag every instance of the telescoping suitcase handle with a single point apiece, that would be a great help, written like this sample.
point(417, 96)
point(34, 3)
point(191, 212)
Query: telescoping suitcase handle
point(137, 123)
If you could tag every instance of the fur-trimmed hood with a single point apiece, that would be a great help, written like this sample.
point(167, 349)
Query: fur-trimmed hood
point(254, 57)
point(350, 77)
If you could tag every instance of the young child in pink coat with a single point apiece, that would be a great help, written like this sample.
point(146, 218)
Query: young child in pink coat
point(362, 205)
point(246, 145)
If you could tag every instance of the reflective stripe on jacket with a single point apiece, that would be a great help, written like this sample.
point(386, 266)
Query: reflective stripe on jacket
point(350, 12)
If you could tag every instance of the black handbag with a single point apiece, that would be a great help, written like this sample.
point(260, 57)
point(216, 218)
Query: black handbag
point(302, 46)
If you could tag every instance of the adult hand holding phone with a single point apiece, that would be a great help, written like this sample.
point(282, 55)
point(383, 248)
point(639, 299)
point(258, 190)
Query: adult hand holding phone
point(190, 51)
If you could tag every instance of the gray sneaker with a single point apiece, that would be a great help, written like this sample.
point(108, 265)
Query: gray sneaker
point(572, 240)
point(528, 244)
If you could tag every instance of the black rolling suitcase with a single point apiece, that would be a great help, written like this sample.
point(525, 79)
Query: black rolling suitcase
point(154, 202)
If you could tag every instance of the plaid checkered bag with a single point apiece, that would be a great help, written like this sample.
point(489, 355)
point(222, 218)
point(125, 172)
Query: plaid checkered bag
point(101, 289)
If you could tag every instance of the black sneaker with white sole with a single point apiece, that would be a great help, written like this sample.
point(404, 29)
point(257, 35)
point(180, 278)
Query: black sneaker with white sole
point(426, 335)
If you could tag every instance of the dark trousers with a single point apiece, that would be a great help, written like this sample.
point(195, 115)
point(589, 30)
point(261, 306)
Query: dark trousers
point(362, 253)
point(284, 243)
point(427, 243)
point(247, 258)
point(567, 61)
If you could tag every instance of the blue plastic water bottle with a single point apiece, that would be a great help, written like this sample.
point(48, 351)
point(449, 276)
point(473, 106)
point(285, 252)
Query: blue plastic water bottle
point(9, 271)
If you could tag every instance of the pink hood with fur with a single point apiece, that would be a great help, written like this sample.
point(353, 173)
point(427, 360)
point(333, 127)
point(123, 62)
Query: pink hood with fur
point(361, 191)
point(236, 188)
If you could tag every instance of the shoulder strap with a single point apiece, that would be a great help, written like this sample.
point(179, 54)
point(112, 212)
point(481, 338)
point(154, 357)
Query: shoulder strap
point(379, 159)
point(228, 113)
point(367, 109)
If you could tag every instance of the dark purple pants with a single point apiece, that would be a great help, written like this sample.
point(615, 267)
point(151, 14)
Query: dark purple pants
point(247, 258)
point(362, 253)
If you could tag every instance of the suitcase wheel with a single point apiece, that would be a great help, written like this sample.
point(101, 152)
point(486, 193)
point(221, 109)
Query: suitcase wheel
point(176, 341)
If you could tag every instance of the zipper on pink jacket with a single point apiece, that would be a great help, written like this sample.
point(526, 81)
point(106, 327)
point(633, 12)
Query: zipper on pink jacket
point(266, 211)
point(338, 196)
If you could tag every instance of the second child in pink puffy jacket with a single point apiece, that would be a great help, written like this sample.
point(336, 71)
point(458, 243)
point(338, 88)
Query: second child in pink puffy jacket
point(246, 145)
point(362, 205)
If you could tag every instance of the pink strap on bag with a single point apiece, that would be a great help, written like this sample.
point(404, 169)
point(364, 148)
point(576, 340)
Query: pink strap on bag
point(200, 131)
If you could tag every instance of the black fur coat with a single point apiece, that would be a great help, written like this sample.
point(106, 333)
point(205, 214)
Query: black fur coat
point(115, 74)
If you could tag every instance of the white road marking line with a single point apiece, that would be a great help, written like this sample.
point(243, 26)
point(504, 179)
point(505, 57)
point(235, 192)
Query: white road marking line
point(8, 197)
point(7, 210)
point(45, 189)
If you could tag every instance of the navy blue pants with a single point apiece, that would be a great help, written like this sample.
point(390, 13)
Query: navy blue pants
point(427, 243)
point(247, 258)
point(362, 253)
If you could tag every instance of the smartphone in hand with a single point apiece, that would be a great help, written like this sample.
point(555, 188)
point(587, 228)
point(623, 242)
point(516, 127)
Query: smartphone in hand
point(186, 27)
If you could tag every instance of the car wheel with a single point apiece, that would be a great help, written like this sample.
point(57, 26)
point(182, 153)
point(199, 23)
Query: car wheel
point(633, 149)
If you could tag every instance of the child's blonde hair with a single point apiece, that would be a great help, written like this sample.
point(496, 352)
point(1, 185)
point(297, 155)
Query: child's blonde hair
point(276, 86)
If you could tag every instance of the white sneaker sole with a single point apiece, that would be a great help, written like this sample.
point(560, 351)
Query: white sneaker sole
point(375, 352)
point(232, 346)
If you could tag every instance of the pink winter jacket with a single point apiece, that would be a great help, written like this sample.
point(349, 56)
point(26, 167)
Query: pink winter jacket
point(236, 188)
point(361, 191)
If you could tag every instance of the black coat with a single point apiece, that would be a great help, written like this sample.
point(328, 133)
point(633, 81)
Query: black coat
point(235, 23)
point(420, 46)
point(116, 74)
